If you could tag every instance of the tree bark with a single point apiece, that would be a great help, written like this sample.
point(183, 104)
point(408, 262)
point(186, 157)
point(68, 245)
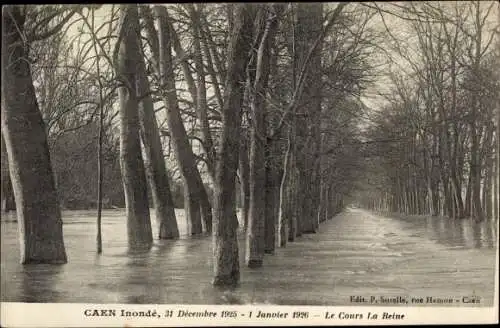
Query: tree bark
point(7, 193)
point(154, 160)
point(23, 129)
point(475, 172)
point(272, 197)
point(201, 103)
point(284, 213)
point(259, 224)
point(211, 67)
point(475, 160)
point(244, 168)
point(226, 268)
point(197, 196)
point(8, 202)
point(132, 166)
point(487, 151)
point(100, 137)
point(468, 197)
point(308, 29)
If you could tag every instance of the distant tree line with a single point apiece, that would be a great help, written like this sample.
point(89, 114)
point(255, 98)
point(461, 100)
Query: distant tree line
point(439, 153)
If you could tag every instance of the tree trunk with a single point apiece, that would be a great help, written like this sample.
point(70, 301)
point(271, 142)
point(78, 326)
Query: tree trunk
point(323, 203)
point(197, 196)
point(271, 200)
point(475, 172)
point(308, 28)
point(284, 214)
point(38, 212)
point(294, 221)
point(244, 168)
point(257, 220)
point(8, 202)
point(226, 267)
point(468, 201)
point(488, 151)
point(7, 193)
point(201, 99)
point(298, 201)
point(154, 160)
point(211, 67)
point(100, 164)
point(275, 141)
point(475, 160)
point(133, 175)
point(100, 176)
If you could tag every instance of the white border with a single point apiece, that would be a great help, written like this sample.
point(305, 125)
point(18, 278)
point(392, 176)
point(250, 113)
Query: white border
point(75, 315)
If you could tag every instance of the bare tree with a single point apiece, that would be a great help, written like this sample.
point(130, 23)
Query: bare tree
point(197, 205)
point(25, 137)
point(226, 268)
point(131, 162)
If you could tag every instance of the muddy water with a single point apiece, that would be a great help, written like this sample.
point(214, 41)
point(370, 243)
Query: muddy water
point(354, 254)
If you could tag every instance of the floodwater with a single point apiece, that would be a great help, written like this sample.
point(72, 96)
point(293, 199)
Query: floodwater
point(356, 253)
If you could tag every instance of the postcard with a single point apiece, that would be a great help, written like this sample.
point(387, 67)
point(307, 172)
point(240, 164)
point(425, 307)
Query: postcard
point(233, 164)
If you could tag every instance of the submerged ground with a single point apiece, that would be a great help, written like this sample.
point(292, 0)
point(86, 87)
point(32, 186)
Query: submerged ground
point(357, 253)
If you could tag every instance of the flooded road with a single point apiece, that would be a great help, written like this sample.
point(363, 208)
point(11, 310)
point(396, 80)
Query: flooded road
point(356, 253)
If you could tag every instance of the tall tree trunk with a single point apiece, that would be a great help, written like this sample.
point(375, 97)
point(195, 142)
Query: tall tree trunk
point(487, 151)
point(226, 268)
point(100, 176)
point(284, 219)
point(468, 197)
point(475, 172)
point(272, 200)
point(211, 68)
point(132, 166)
point(154, 160)
point(453, 152)
point(323, 203)
point(298, 199)
point(322, 180)
point(197, 197)
point(244, 168)
point(100, 137)
point(294, 221)
point(257, 220)
point(475, 160)
point(308, 28)
point(275, 140)
point(201, 99)
point(23, 129)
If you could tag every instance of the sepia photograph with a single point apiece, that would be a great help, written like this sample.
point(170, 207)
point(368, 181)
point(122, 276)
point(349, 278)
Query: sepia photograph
point(215, 164)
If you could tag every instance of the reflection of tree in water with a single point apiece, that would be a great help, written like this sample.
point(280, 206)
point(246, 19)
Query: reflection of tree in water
point(39, 283)
point(488, 232)
point(458, 233)
point(479, 234)
point(140, 279)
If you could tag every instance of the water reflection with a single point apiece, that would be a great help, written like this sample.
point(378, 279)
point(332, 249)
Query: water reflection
point(39, 282)
point(353, 253)
point(454, 233)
